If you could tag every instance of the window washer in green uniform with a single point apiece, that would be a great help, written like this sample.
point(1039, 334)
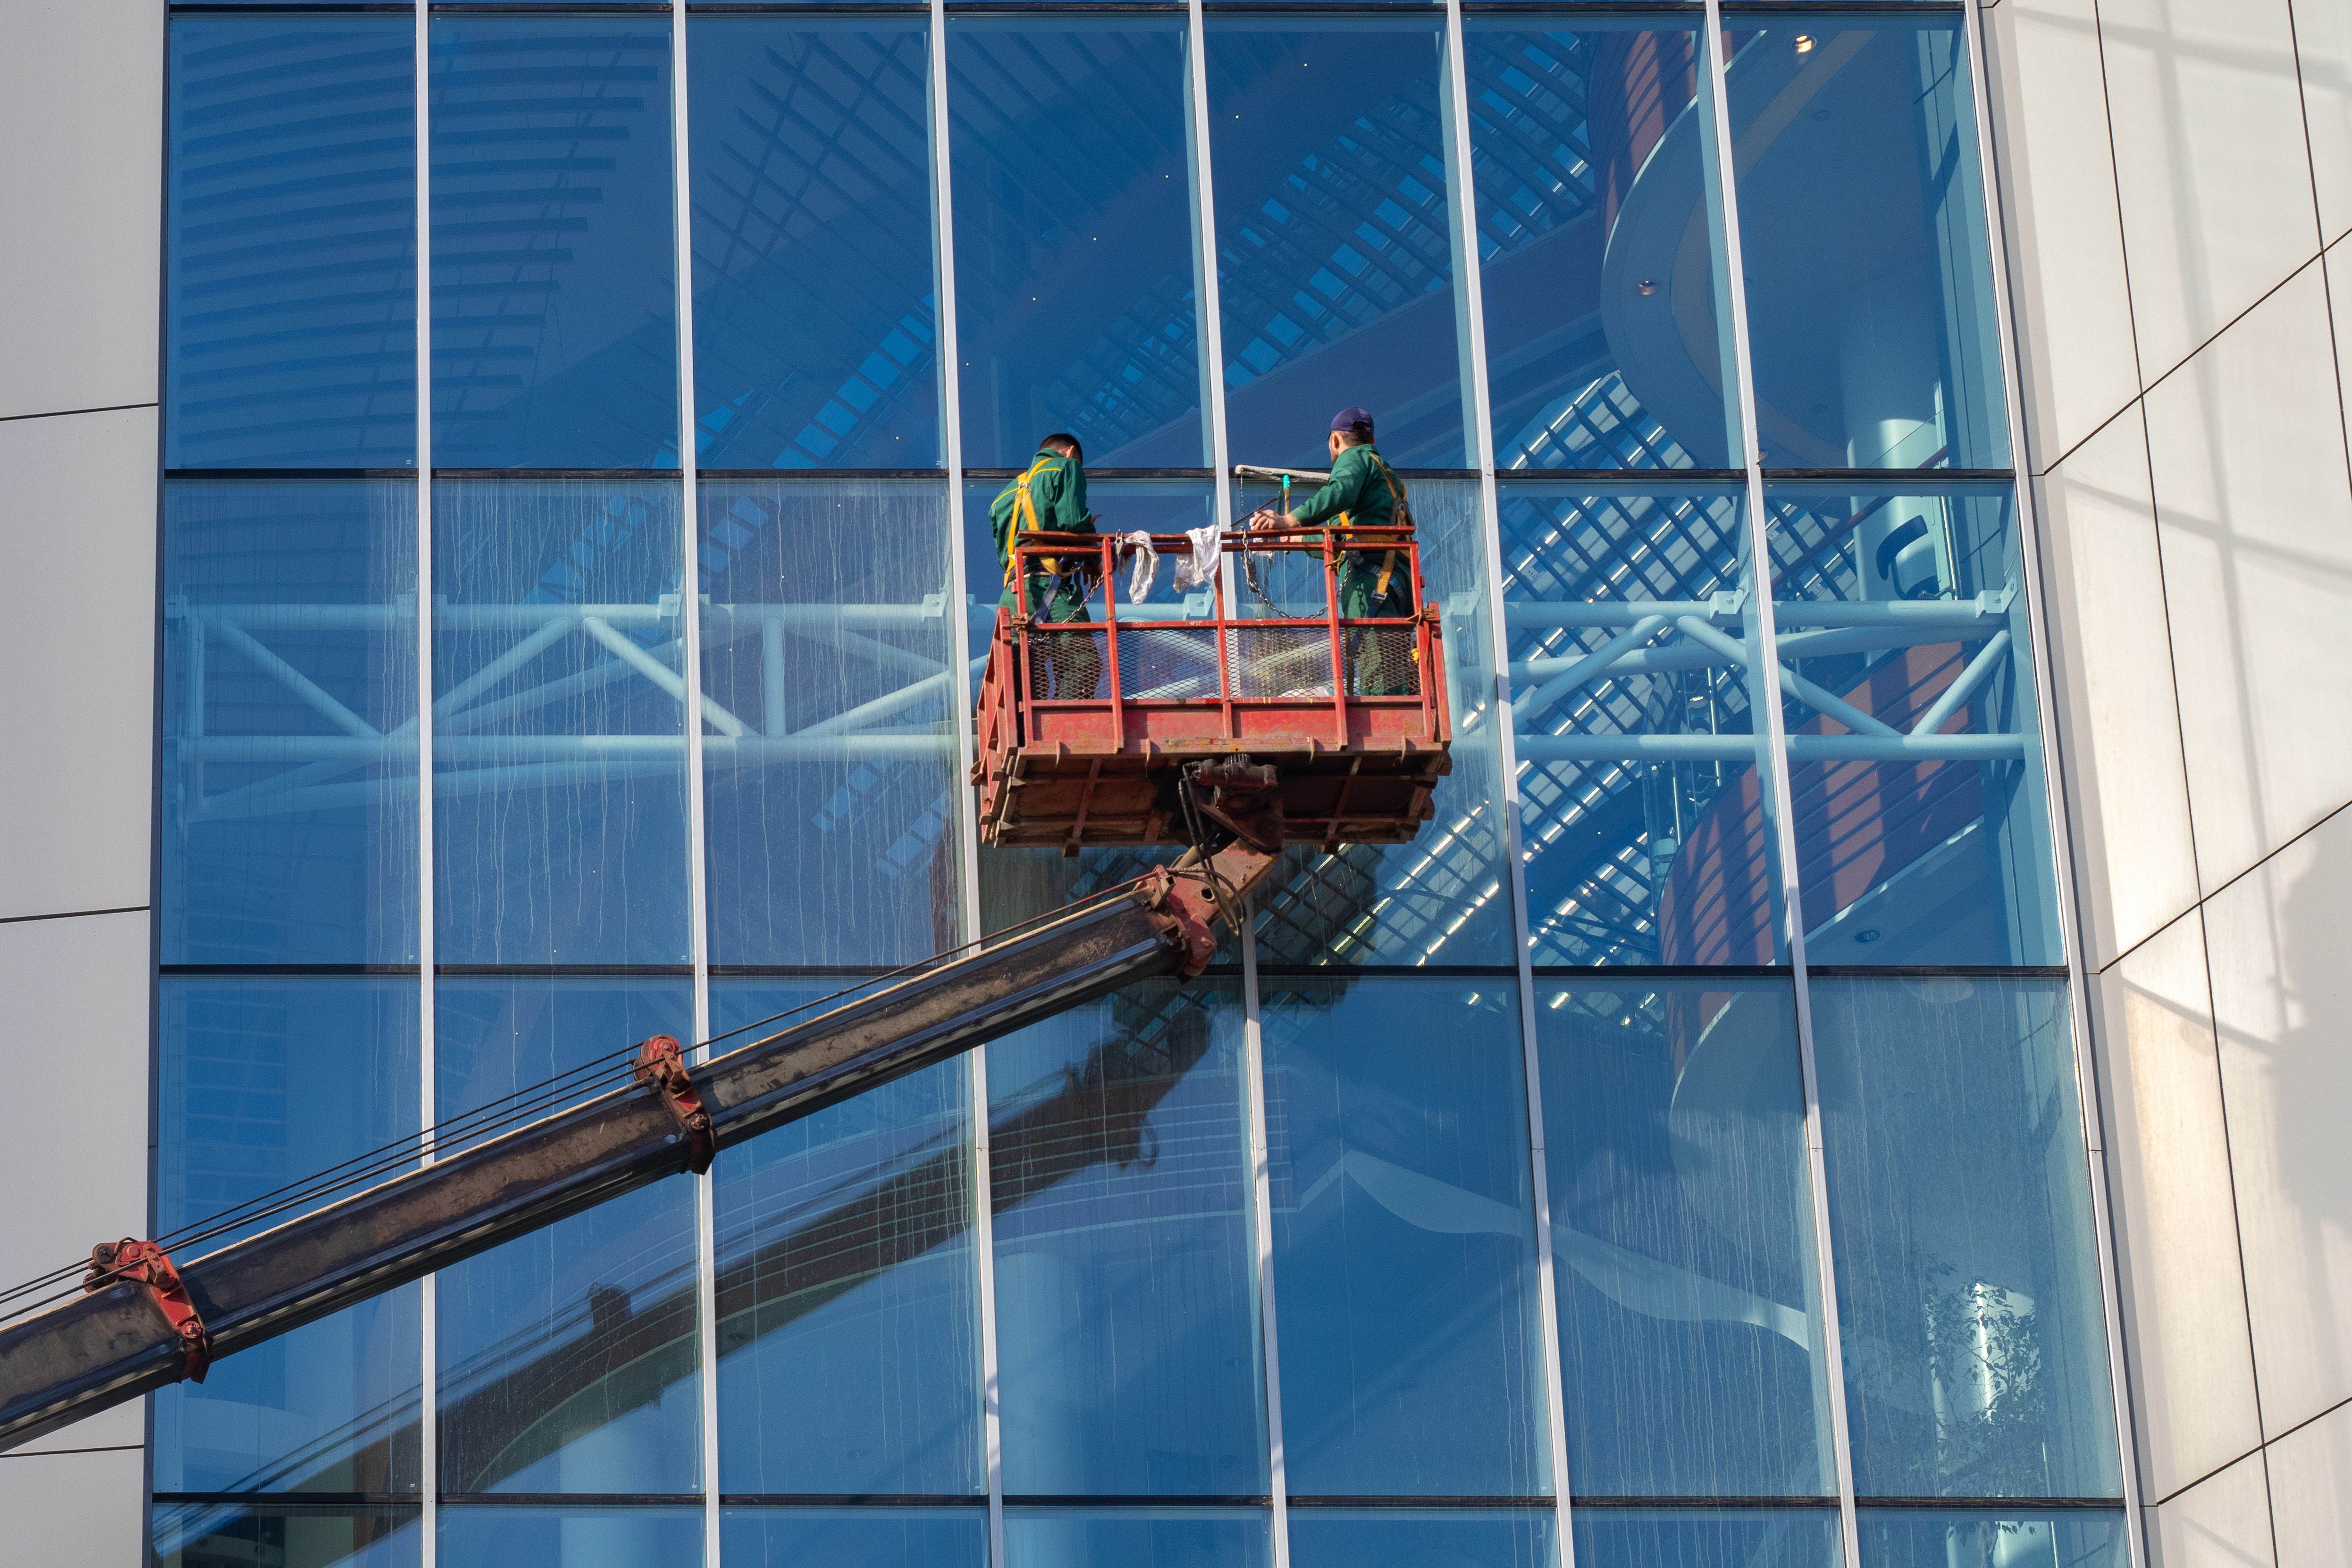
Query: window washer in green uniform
point(1051, 498)
point(1365, 491)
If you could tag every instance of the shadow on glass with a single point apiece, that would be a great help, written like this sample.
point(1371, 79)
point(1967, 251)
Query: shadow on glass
point(287, 1535)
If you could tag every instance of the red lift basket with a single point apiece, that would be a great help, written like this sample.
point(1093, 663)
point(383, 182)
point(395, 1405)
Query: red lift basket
point(1086, 726)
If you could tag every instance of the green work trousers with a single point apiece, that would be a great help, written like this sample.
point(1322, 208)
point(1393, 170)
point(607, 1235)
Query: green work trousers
point(1380, 660)
point(1066, 666)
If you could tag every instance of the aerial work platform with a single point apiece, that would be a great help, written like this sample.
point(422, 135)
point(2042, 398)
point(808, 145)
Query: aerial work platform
point(1087, 727)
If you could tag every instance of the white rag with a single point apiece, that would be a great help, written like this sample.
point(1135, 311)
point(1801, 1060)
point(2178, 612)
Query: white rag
point(1201, 569)
point(1146, 566)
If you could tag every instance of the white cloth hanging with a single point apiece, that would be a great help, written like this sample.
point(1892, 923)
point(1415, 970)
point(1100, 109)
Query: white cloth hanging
point(1201, 569)
point(1146, 566)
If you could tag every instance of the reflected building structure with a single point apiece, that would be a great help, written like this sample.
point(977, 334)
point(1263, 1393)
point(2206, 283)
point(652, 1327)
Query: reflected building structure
point(578, 433)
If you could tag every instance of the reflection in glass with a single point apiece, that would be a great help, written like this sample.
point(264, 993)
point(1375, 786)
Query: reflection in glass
point(559, 737)
point(1975, 1358)
point(287, 1535)
point(290, 259)
point(1600, 255)
point(854, 1537)
point(1683, 1238)
point(1335, 268)
point(828, 751)
point(264, 1081)
point(1409, 1536)
point(1126, 1314)
point(1631, 615)
point(1076, 283)
point(848, 1291)
point(1404, 1238)
point(1706, 1538)
point(1915, 749)
point(814, 318)
point(486, 1536)
point(554, 314)
point(1940, 1538)
point(567, 1356)
point(1146, 1537)
point(288, 722)
point(1862, 228)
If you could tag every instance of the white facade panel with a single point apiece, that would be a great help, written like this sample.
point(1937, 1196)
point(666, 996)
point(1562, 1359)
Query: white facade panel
point(2323, 45)
point(2223, 1521)
point(2119, 718)
point(2254, 516)
point(2311, 1493)
point(2066, 234)
point(2282, 997)
point(2210, 162)
point(81, 104)
point(74, 1510)
point(77, 553)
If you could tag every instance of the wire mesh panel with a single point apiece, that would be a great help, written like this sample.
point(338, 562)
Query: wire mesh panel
point(1281, 661)
point(1065, 662)
point(1167, 664)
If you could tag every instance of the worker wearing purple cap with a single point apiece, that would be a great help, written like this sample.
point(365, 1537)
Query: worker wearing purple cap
point(1365, 491)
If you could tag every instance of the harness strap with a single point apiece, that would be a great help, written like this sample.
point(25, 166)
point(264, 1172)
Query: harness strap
point(1024, 507)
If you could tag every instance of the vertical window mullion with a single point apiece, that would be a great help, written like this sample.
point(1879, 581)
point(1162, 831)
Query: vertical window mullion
point(428, 1401)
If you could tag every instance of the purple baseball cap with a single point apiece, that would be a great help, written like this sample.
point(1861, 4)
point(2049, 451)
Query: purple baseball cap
point(1348, 418)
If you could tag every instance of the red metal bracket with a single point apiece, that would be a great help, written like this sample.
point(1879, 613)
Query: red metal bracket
point(1190, 897)
point(131, 1262)
point(661, 1062)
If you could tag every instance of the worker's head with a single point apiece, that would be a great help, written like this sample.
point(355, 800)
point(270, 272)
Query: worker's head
point(1063, 442)
point(1350, 427)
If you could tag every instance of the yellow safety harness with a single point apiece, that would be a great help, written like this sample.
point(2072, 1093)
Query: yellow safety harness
point(1399, 513)
point(1025, 520)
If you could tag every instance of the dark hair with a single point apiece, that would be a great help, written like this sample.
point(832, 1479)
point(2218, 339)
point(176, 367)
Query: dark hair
point(1065, 444)
point(1357, 434)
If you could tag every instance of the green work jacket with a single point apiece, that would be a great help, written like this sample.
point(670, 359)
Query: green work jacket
point(1057, 491)
point(1358, 490)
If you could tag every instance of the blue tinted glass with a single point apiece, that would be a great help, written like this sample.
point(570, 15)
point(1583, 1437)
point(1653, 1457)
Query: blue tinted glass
point(1599, 252)
point(815, 314)
point(288, 722)
point(829, 760)
point(1076, 283)
point(287, 1535)
point(554, 316)
point(1632, 620)
point(559, 732)
point(1862, 229)
point(1404, 1238)
point(265, 1081)
point(854, 1537)
point(1922, 1538)
point(1408, 1538)
point(1683, 1240)
point(1914, 745)
point(1968, 1287)
point(1441, 899)
point(848, 1300)
point(1705, 1538)
point(290, 255)
point(1335, 271)
point(1144, 1537)
point(494, 1537)
point(1125, 1317)
point(567, 1356)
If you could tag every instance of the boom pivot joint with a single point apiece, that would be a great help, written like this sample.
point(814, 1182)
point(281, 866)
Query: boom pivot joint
point(148, 1269)
point(661, 1062)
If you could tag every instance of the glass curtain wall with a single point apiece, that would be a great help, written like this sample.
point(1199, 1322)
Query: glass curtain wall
point(1465, 1211)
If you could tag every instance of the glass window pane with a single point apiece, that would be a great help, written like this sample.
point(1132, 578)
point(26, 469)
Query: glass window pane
point(1379, 1538)
point(290, 255)
point(1080, 1538)
point(1862, 231)
point(1335, 268)
point(559, 743)
point(1915, 765)
point(568, 1356)
point(1705, 1538)
point(829, 759)
point(289, 706)
point(1600, 253)
point(1126, 1307)
point(1632, 623)
point(1404, 1238)
point(854, 1537)
point(264, 1081)
point(815, 313)
point(494, 1537)
point(1959, 1202)
point(287, 1535)
point(849, 1294)
point(554, 314)
point(1689, 1295)
point(1941, 1538)
point(1076, 283)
